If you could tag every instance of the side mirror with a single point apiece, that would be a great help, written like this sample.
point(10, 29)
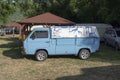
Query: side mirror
point(32, 37)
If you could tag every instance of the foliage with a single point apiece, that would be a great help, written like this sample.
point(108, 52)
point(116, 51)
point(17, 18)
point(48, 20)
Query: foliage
point(6, 8)
point(96, 10)
point(61, 8)
point(17, 16)
point(30, 8)
point(110, 10)
point(81, 11)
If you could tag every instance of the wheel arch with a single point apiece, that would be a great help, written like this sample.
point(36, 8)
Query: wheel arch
point(83, 48)
point(41, 50)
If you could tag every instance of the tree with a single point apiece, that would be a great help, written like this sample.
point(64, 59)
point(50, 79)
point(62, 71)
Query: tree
point(30, 7)
point(85, 10)
point(6, 8)
point(80, 11)
point(61, 8)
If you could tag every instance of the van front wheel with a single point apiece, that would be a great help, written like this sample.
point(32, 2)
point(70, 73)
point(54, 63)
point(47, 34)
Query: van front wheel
point(84, 54)
point(41, 55)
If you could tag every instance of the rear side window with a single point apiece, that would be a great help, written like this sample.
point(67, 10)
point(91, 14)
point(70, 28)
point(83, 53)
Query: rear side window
point(40, 34)
point(109, 32)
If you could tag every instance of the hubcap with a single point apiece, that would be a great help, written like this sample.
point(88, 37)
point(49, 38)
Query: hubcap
point(41, 56)
point(84, 55)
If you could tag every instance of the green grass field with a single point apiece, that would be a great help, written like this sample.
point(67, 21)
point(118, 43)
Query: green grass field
point(103, 65)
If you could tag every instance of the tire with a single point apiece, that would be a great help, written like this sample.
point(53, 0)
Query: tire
point(41, 55)
point(84, 54)
point(116, 47)
point(106, 43)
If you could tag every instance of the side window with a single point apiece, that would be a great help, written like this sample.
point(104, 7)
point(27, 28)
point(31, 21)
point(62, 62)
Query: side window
point(107, 32)
point(110, 32)
point(39, 34)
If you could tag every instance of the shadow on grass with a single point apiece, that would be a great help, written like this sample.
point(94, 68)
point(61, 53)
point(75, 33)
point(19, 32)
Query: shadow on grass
point(14, 42)
point(96, 73)
point(64, 56)
point(12, 49)
point(15, 53)
point(8, 38)
point(107, 54)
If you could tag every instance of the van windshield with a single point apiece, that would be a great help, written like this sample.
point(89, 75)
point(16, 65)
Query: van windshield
point(118, 33)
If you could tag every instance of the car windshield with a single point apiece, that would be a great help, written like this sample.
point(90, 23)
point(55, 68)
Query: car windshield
point(118, 33)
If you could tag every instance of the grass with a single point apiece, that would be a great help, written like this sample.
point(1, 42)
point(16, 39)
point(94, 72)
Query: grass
point(103, 65)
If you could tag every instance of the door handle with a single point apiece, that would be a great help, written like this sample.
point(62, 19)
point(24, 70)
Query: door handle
point(47, 41)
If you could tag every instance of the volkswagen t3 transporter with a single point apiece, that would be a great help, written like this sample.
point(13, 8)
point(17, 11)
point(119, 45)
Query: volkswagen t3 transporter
point(62, 40)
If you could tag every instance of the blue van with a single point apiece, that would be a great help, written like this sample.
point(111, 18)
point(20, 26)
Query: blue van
point(62, 40)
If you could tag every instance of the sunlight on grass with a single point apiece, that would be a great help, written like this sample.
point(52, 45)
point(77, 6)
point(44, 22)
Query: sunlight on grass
point(14, 66)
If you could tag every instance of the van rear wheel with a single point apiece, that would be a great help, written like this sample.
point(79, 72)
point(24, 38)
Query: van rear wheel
point(41, 55)
point(84, 54)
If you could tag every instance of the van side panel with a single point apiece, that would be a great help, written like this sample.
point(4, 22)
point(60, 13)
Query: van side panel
point(65, 46)
point(90, 43)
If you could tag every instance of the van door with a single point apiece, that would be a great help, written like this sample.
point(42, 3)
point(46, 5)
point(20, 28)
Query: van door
point(65, 46)
point(111, 37)
point(38, 40)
